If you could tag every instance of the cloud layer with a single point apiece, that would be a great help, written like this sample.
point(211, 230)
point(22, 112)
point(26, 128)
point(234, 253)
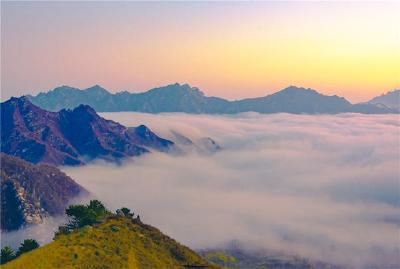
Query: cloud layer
point(325, 187)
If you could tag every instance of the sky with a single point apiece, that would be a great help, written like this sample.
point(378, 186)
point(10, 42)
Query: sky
point(227, 49)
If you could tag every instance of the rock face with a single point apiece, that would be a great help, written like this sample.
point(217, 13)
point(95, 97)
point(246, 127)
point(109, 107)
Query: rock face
point(184, 98)
point(31, 192)
point(69, 137)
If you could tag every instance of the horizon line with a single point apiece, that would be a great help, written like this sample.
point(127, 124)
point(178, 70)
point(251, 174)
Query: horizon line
point(194, 87)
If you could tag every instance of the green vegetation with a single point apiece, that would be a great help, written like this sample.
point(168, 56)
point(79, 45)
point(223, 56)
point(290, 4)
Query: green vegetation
point(82, 215)
point(7, 253)
point(221, 258)
point(111, 241)
point(26, 246)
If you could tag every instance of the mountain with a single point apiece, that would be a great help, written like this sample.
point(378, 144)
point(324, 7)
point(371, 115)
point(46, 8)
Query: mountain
point(184, 98)
point(70, 137)
point(118, 242)
point(31, 192)
point(390, 99)
point(202, 145)
point(66, 97)
point(294, 100)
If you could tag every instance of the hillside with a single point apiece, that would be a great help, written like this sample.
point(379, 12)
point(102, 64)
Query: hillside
point(390, 99)
point(31, 192)
point(251, 259)
point(70, 137)
point(184, 98)
point(294, 100)
point(119, 242)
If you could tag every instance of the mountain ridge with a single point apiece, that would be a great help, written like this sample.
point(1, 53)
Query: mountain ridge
point(390, 99)
point(40, 136)
point(184, 98)
point(116, 242)
point(29, 192)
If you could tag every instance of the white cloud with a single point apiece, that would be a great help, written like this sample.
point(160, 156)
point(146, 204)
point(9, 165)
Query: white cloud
point(323, 186)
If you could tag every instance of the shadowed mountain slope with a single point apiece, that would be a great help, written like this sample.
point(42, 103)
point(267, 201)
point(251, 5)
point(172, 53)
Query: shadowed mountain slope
point(31, 192)
point(69, 137)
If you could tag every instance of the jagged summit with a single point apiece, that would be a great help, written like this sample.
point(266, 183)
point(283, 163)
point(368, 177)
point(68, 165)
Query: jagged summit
point(177, 87)
point(18, 101)
point(70, 136)
point(80, 110)
point(185, 98)
point(296, 88)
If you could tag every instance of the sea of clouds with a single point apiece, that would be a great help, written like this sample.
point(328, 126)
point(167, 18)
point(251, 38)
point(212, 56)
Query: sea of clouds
point(321, 186)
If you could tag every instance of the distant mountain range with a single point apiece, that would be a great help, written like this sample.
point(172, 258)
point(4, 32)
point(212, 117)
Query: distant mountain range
point(390, 99)
point(70, 137)
point(29, 192)
point(184, 98)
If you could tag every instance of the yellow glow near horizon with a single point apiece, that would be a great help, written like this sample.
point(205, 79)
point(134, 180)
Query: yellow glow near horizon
point(232, 50)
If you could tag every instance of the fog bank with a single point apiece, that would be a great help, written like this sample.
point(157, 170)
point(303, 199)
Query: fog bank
point(325, 187)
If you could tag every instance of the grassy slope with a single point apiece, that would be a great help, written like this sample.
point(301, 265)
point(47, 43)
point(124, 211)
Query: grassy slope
point(131, 245)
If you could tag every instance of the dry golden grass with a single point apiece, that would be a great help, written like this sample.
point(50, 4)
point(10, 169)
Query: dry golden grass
point(117, 243)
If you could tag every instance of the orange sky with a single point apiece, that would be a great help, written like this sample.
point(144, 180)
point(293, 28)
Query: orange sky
point(227, 49)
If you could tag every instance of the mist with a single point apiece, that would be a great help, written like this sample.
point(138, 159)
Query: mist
point(43, 233)
point(324, 187)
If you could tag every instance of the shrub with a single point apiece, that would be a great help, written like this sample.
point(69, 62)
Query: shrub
point(82, 215)
point(26, 246)
point(7, 254)
point(97, 207)
point(63, 229)
point(115, 228)
point(127, 212)
point(124, 212)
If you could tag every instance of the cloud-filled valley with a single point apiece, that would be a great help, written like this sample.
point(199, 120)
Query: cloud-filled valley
point(322, 186)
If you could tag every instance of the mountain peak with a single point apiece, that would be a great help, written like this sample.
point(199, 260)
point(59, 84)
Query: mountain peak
point(70, 136)
point(16, 100)
point(82, 112)
point(84, 108)
point(293, 88)
point(117, 241)
point(177, 88)
point(22, 102)
point(177, 97)
point(390, 99)
point(63, 88)
point(97, 89)
point(177, 85)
